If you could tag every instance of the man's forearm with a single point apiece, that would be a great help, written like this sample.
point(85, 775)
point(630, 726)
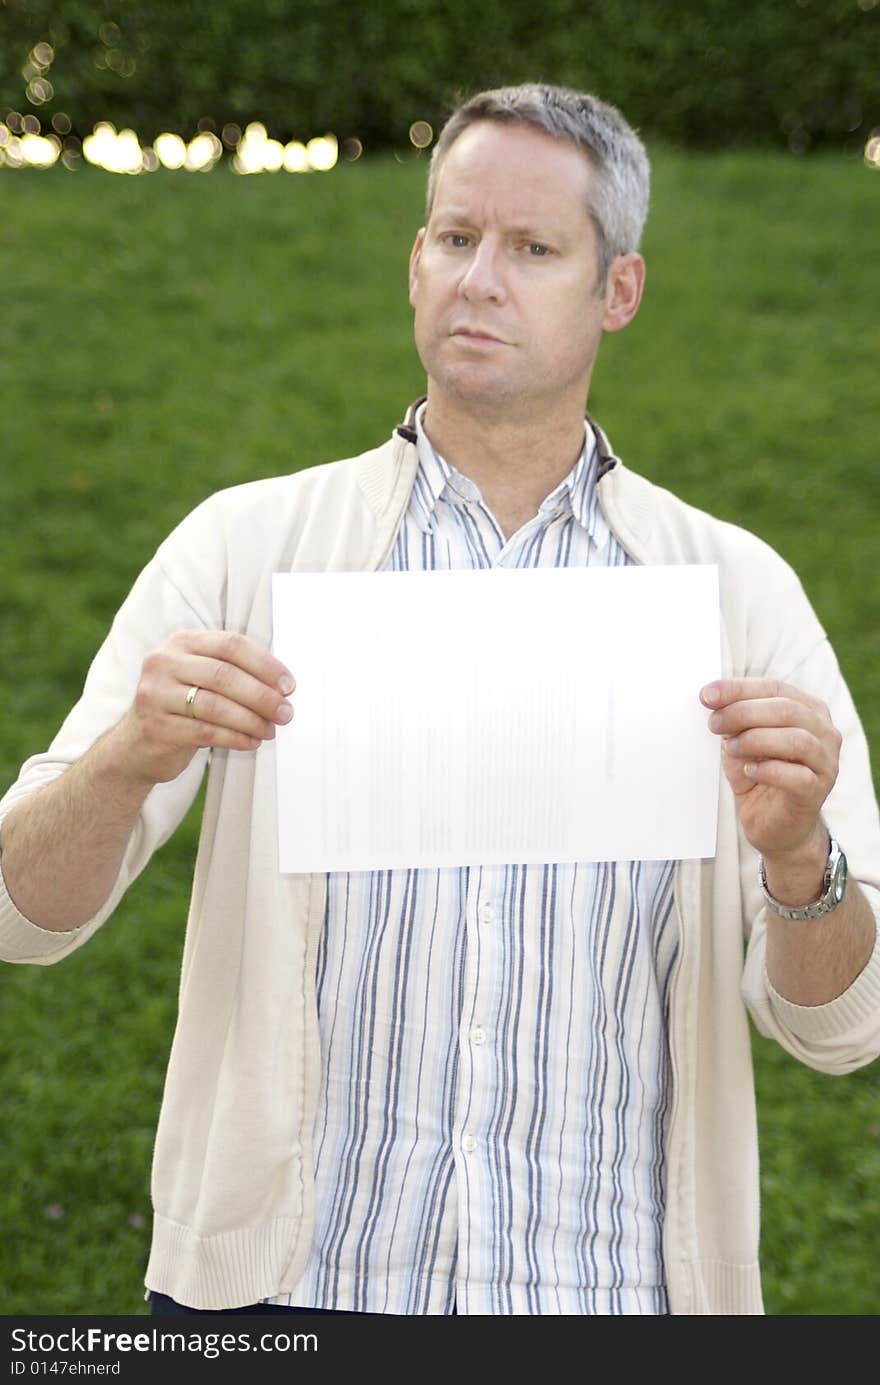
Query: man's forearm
point(813, 961)
point(62, 847)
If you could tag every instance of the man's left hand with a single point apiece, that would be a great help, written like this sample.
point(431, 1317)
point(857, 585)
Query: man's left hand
point(780, 751)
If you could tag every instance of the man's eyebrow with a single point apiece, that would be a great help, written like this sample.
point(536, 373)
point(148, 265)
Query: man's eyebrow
point(452, 216)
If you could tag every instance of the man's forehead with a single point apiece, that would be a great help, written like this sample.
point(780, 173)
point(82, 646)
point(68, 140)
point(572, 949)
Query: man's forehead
point(519, 160)
point(526, 199)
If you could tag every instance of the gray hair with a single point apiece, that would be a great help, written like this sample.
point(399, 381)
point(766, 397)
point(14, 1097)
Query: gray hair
point(621, 187)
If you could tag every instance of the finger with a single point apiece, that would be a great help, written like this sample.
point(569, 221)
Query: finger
point(801, 786)
point(779, 712)
point(228, 647)
point(794, 745)
point(200, 704)
point(177, 670)
point(221, 686)
point(724, 691)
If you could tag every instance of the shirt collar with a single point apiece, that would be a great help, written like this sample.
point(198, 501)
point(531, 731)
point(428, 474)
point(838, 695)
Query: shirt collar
point(575, 493)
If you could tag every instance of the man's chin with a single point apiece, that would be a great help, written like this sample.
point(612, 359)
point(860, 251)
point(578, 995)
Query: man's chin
point(476, 386)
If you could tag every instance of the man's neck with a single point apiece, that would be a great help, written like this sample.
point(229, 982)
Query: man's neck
point(515, 464)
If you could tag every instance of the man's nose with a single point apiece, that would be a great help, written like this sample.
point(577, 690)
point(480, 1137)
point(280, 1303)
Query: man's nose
point(483, 280)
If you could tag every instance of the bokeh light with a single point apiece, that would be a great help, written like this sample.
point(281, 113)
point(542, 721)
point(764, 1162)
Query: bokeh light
point(245, 150)
point(421, 134)
point(170, 150)
point(872, 150)
point(116, 152)
point(323, 153)
point(203, 152)
point(296, 159)
point(40, 151)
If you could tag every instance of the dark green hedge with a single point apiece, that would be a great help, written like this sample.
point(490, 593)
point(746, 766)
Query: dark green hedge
point(705, 73)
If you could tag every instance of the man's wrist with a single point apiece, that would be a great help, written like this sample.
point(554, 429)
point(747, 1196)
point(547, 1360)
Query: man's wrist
point(792, 893)
point(797, 877)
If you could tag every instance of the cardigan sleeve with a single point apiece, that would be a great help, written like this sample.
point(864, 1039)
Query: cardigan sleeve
point(844, 1033)
point(154, 609)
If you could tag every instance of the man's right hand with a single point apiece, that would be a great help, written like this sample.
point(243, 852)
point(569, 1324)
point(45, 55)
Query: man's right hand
point(63, 845)
point(241, 697)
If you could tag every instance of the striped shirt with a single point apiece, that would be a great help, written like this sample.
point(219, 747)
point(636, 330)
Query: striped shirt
point(495, 1070)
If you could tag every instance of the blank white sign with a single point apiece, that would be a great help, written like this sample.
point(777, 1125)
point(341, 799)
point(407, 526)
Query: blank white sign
point(494, 716)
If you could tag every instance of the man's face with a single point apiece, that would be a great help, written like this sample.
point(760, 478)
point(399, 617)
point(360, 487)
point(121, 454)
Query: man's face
point(504, 277)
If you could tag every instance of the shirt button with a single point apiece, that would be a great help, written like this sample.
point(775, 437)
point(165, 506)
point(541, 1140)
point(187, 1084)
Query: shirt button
point(478, 1034)
point(468, 1144)
point(487, 913)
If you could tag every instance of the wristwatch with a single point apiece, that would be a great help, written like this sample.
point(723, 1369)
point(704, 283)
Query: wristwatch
point(833, 891)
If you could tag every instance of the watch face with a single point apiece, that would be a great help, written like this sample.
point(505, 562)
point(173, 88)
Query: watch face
point(838, 883)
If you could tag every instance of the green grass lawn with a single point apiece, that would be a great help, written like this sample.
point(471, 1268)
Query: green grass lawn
point(168, 335)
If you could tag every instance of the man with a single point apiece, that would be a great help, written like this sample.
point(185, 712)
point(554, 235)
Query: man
point(517, 1089)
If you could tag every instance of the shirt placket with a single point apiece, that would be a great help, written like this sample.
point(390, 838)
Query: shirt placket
point(478, 1075)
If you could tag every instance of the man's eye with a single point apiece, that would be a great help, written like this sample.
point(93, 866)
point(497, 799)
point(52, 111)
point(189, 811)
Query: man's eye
point(536, 249)
point(456, 240)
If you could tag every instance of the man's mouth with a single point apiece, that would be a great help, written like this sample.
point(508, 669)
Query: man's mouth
point(476, 334)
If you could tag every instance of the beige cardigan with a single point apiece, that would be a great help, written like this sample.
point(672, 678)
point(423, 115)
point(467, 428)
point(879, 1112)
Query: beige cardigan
point(232, 1176)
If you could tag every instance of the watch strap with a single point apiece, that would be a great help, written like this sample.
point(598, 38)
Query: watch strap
point(834, 885)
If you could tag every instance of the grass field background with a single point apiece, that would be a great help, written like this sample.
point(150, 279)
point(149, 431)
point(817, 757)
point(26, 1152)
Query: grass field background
point(167, 335)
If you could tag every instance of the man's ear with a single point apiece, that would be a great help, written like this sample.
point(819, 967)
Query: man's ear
point(414, 266)
point(623, 291)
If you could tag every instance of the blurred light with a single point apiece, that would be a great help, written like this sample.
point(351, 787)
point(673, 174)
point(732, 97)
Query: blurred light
point(872, 151)
point(322, 153)
point(203, 152)
point(249, 158)
point(296, 160)
point(12, 153)
point(121, 151)
point(117, 153)
point(39, 91)
point(128, 157)
point(109, 33)
point(170, 150)
point(42, 55)
point(273, 155)
point(96, 143)
point(39, 151)
point(421, 134)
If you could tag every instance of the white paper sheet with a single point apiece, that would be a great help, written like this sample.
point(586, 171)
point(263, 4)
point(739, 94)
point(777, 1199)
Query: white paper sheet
point(494, 716)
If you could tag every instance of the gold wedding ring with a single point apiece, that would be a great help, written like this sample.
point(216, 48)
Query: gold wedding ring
point(190, 699)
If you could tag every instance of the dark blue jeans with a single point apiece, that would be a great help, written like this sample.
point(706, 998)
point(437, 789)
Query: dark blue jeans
point(161, 1303)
